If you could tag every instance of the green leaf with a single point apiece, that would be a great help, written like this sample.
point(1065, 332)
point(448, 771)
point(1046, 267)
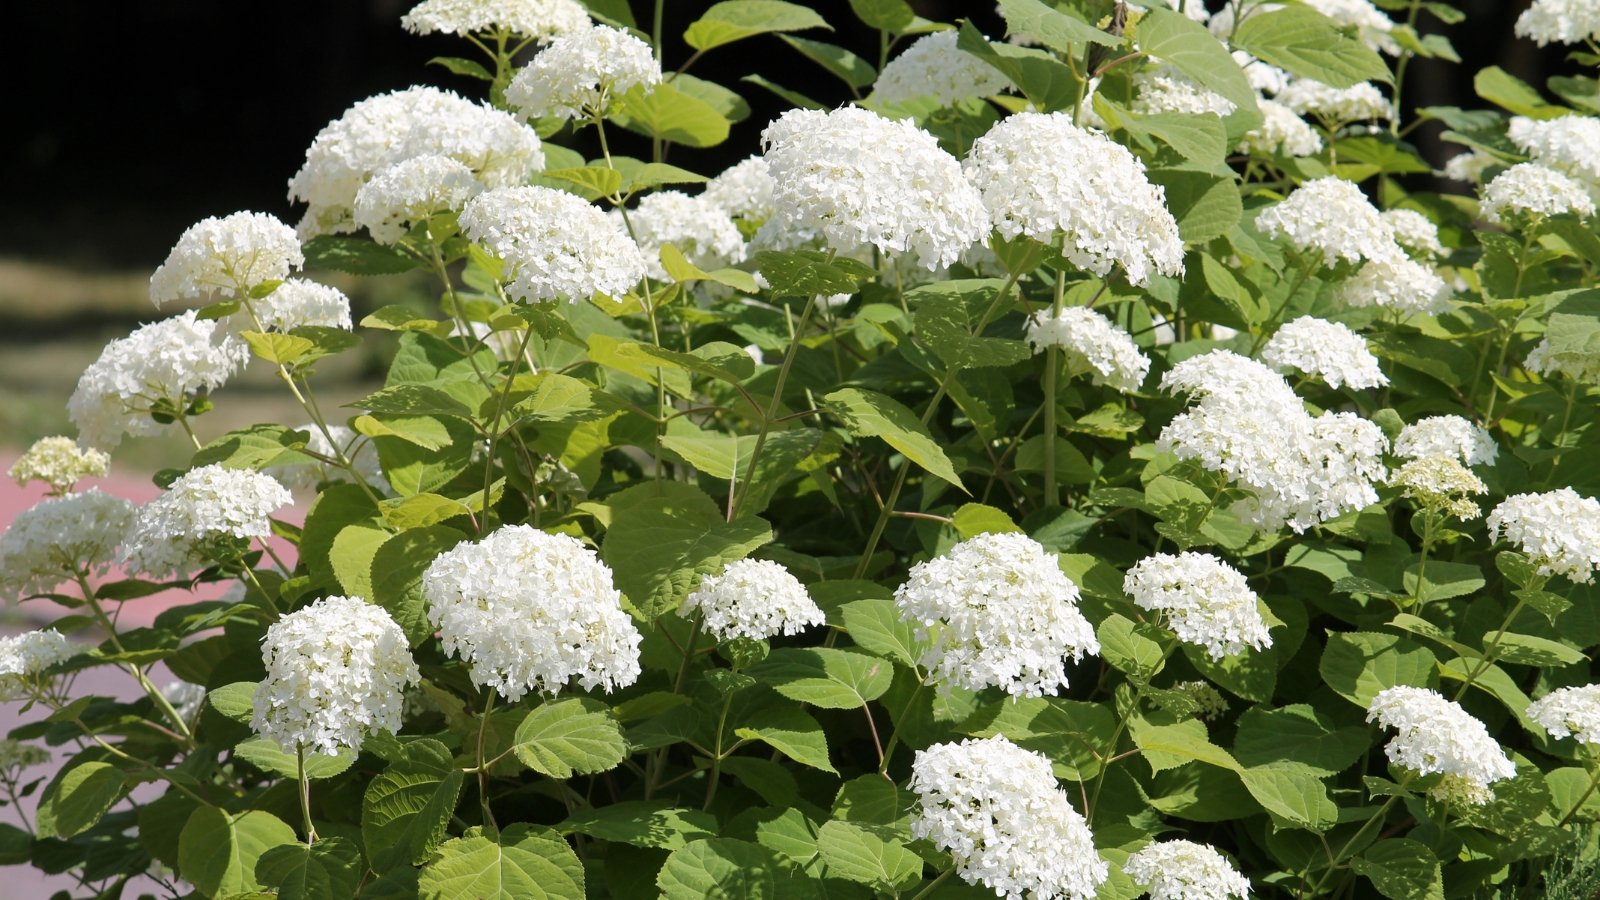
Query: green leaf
point(850, 68)
point(397, 569)
point(795, 98)
point(1360, 664)
point(395, 317)
point(1052, 27)
point(255, 447)
point(1205, 206)
point(523, 864)
point(351, 557)
point(856, 854)
point(1441, 580)
point(871, 414)
point(568, 737)
point(356, 256)
point(736, 20)
point(663, 545)
point(330, 869)
point(643, 823)
point(1308, 44)
point(278, 349)
point(729, 869)
point(1045, 80)
point(1170, 746)
point(825, 677)
point(267, 756)
point(592, 182)
point(236, 701)
point(654, 174)
point(81, 796)
point(1510, 93)
point(792, 732)
point(468, 67)
point(809, 273)
point(884, 15)
point(1529, 650)
point(561, 399)
point(218, 851)
point(946, 320)
point(717, 359)
point(1124, 647)
point(1194, 51)
point(973, 519)
point(1200, 139)
point(1573, 330)
point(1297, 734)
point(1401, 869)
point(668, 113)
point(406, 808)
point(680, 270)
point(877, 627)
point(1292, 795)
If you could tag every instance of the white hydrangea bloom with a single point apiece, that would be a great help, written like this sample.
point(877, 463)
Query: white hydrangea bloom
point(753, 598)
point(854, 178)
point(1223, 377)
point(1040, 175)
point(1328, 350)
point(1401, 284)
point(744, 190)
point(58, 462)
point(390, 128)
point(1569, 712)
point(167, 360)
point(1166, 90)
point(556, 246)
point(1569, 144)
point(172, 533)
point(582, 72)
point(356, 448)
point(1362, 15)
point(59, 536)
point(1281, 131)
point(1450, 436)
point(540, 20)
point(998, 811)
point(295, 303)
point(1559, 530)
point(1357, 103)
point(1560, 22)
point(336, 672)
point(1532, 189)
point(530, 611)
point(1469, 166)
point(1579, 366)
point(932, 66)
point(1184, 870)
point(409, 192)
point(1091, 342)
point(1440, 483)
point(703, 231)
point(999, 611)
point(1414, 231)
point(1331, 216)
point(1436, 735)
point(25, 656)
point(1264, 78)
point(1206, 601)
point(232, 254)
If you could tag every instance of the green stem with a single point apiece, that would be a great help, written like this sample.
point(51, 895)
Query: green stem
point(1400, 69)
point(1052, 365)
point(159, 699)
point(1271, 324)
point(483, 774)
point(305, 793)
point(494, 427)
point(894, 734)
point(1339, 857)
point(1489, 652)
point(767, 417)
point(1594, 782)
point(934, 884)
point(716, 758)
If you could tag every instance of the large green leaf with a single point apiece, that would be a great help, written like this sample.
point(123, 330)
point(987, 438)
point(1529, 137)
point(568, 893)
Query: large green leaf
point(1298, 734)
point(854, 853)
point(808, 273)
point(1050, 26)
point(662, 546)
point(330, 869)
point(396, 580)
point(1360, 664)
point(80, 797)
point(735, 20)
point(884, 15)
point(267, 756)
point(1186, 44)
point(850, 68)
point(729, 869)
point(568, 737)
point(1308, 44)
point(643, 823)
point(1045, 80)
point(406, 808)
point(877, 627)
point(671, 114)
point(946, 320)
point(792, 732)
point(523, 863)
point(218, 851)
point(1206, 206)
point(825, 677)
point(255, 447)
point(1512, 94)
point(1401, 869)
point(871, 414)
point(356, 256)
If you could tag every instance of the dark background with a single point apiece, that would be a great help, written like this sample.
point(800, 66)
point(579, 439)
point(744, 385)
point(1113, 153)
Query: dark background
point(126, 122)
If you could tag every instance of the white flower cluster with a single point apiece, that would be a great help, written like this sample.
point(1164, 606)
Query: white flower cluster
point(381, 131)
point(1569, 144)
point(1441, 483)
point(172, 533)
point(531, 611)
point(540, 20)
point(1362, 15)
point(1559, 530)
point(1328, 350)
point(58, 462)
point(233, 254)
point(58, 537)
point(854, 178)
point(556, 246)
point(703, 231)
point(1569, 712)
point(361, 453)
point(1281, 131)
point(1091, 342)
point(336, 671)
point(1000, 612)
point(1040, 175)
point(1560, 22)
point(1207, 602)
point(1450, 436)
point(163, 361)
point(1185, 870)
point(1469, 166)
point(1336, 106)
point(743, 191)
point(1534, 190)
point(1580, 366)
point(1166, 90)
point(1401, 284)
point(24, 657)
point(582, 73)
point(933, 66)
point(998, 811)
point(1331, 217)
point(298, 302)
point(410, 191)
point(753, 598)
point(1436, 735)
point(1414, 231)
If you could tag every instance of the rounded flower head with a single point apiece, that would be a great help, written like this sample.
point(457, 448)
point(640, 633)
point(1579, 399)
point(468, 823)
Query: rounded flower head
point(58, 537)
point(1534, 190)
point(933, 66)
point(1581, 366)
point(703, 231)
point(1440, 483)
point(336, 672)
point(1559, 530)
point(1569, 144)
point(1336, 106)
point(582, 72)
point(1331, 217)
point(167, 361)
point(1040, 175)
point(531, 611)
point(743, 191)
point(1469, 166)
point(233, 255)
point(1400, 284)
point(1000, 612)
point(753, 598)
point(1282, 131)
point(998, 811)
point(1166, 90)
point(1414, 231)
point(391, 128)
point(361, 453)
point(1569, 711)
point(555, 245)
point(175, 533)
point(58, 462)
point(410, 191)
point(1436, 735)
point(297, 303)
point(1328, 350)
point(1184, 870)
point(1450, 436)
point(854, 178)
point(1560, 22)
point(540, 20)
point(1093, 343)
point(1206, 601)
point(24, 657)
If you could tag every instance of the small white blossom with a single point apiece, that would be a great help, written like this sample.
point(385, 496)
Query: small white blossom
point(1569, 712)
point(1569, 144)
point(998, 811)
point(1414, 231)
point(1093, 343)
point(1331, 217)
point(1580, 366)
point(336, 672)
point(1328, 350)
point(1184, 870)
point(753, 598)
point(1207, 602)
point(1534, 190)
point(1560, 22)
point(233, 255)
point(296, 303)
point(582, 73)
point(1166, 90)
point(1450, 436)
point(1559, 530)
point(744, 190)
point(540, 20)
point(411, 191)
point(24, 657)
point(58, 462)
point(1336, 106)
point(1401, 284)
point(556, 246)
point(704, 232)
point(58, 537)
point(173, 533)
point(933, 66)
point(1281, 131)
point(358, 450)
point(999, 611)
point(1469, 166)
point(530, 611)
point(1436, 735)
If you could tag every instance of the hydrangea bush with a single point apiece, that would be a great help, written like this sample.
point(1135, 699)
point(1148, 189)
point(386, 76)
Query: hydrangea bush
point(1081, 466)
